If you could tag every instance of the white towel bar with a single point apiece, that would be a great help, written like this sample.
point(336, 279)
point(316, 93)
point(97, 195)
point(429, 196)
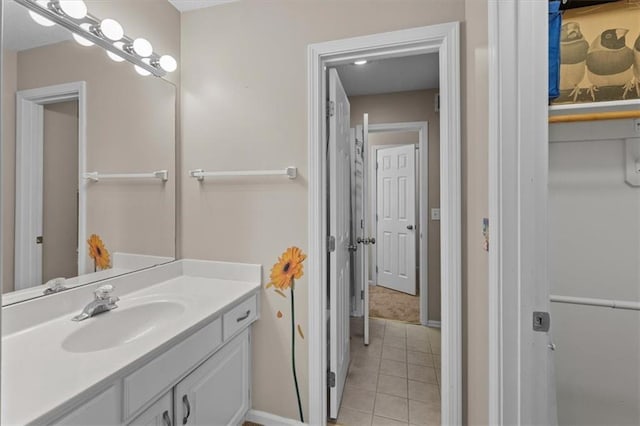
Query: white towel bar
point(606, 303)
point(290, 172)
point(158, 174)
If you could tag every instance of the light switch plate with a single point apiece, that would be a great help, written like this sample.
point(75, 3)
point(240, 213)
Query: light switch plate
point(435, 214)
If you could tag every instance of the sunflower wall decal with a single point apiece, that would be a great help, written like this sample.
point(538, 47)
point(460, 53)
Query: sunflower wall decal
point(287, 269)
point(98, 253)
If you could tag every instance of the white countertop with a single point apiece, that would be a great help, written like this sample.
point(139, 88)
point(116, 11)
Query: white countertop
point(39, 376)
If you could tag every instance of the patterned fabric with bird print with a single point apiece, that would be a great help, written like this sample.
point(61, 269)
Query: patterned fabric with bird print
point(573, 58)
point(610, 61)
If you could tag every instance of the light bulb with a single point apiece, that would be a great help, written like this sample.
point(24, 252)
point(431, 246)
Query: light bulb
point(39, 18)
point(111, 29)
point(73, 8)
point(81, 40)
point(142, 47)
point(113, 56)
point(168, 63)
point(141, 70)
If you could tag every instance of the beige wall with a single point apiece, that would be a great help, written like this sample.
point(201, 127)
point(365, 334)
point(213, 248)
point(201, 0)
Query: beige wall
point(405, 107)
point(474, 208)
point(140, 218)
point(60, 189)
point(244, 106)
point(8, 155)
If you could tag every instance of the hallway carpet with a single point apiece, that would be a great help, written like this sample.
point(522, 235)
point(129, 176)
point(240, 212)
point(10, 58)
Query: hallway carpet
point(394, 305)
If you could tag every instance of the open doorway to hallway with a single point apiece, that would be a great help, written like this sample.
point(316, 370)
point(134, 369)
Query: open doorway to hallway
point(393, 371)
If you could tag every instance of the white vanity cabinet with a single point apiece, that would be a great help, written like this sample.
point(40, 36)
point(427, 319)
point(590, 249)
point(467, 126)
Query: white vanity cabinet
point(217, 392)
point(214, 394)
point(202, 380)
point(159, 414)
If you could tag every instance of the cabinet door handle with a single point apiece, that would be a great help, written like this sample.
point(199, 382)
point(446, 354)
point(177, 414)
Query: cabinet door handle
point(244, 317)
point(187, 406)
point(166, 418)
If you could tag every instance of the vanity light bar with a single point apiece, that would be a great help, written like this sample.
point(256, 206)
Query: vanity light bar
point(150, 64)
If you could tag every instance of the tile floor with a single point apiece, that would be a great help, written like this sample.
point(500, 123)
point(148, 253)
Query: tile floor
point(395, 380)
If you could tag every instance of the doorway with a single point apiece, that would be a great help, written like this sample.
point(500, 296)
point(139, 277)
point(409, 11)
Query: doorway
point(30, 220)
point(444, 40)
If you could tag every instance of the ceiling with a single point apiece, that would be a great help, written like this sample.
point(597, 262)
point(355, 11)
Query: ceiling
point(391, 75)
point(186, 5)
point(21, 32)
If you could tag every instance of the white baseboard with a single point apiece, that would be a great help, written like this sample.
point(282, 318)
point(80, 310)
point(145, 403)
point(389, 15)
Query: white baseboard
point(371, 283)
point(431, 323)
point(268, 419)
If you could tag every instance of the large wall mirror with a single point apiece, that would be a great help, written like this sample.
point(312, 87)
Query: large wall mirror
point(88, 162)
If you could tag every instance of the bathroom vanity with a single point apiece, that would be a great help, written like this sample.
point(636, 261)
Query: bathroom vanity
point(176, 350)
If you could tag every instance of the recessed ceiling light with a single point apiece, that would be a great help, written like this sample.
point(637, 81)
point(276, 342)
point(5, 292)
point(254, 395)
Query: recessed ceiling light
point(360, 62)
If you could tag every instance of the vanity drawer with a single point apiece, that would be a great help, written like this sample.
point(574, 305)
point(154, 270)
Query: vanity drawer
point(240, 316)
point(164, 371)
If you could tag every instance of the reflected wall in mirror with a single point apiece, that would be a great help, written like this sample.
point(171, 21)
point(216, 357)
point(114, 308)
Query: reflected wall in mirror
point(88, 148)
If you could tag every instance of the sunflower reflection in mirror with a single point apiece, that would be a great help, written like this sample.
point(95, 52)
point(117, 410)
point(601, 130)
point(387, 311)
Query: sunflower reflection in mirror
point(98, 253)
point(287, 269)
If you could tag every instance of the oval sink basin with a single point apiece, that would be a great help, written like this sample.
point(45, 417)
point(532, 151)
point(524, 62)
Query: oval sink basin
point(121, 326)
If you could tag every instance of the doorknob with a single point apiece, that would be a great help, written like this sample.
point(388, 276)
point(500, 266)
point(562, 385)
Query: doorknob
point(409, 227)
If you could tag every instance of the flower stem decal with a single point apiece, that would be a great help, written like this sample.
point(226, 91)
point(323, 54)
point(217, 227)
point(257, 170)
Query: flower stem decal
point(98, 253)
point(283, 275)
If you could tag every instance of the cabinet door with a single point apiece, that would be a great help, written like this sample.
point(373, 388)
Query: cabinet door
point(159, 414)
point(217, 392)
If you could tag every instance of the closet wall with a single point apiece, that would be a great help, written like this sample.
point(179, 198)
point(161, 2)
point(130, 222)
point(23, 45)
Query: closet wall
point(594, 249)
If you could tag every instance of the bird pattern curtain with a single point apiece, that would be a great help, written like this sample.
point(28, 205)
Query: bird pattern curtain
point(600, 53)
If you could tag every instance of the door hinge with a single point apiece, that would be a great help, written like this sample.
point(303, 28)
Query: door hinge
point(361, 223)
point(377, 166)
point(361, 294)
point(376, 269)
point(331, 379)
point(331, 109)
point(331, 243)
point(376, 217)
point(541, 321)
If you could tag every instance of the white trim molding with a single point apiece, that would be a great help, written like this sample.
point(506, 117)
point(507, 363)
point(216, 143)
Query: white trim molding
point(445, 40)
point(268, 419)
point(29, 186)
point(433, 324)
point(521, 387)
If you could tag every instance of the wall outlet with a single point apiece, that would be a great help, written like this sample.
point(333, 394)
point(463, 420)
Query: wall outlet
point(435, 214)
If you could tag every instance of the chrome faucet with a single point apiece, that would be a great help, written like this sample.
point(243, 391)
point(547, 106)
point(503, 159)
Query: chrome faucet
point(103, 302)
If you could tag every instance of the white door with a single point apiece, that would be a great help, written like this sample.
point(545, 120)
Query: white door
point(357, 213)
point(396, 218)
point(365, 241)
point(340, 230)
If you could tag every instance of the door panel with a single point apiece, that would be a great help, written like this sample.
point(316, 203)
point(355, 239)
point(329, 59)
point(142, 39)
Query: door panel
point(340, 229)
point(365, 226)
point(357, 222)
point(217, 392)
point(396, 215)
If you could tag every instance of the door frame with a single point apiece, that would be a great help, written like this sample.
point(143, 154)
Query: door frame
point(422, 128)
point(518, 173)
point(29, 186)
point(445, 40)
